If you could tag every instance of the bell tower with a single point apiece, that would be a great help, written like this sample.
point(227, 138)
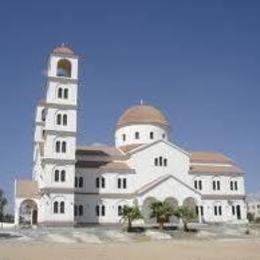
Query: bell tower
point(57, 143)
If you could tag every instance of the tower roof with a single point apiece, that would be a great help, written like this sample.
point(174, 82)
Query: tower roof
point(142, 114)
point(63, 49)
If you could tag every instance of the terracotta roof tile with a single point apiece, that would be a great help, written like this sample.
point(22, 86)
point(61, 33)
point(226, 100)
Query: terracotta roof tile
point(209, 157)
point(142, 114)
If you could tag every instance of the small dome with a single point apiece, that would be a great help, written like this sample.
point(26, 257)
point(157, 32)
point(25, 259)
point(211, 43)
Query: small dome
point(142, 114)
point(63, 50)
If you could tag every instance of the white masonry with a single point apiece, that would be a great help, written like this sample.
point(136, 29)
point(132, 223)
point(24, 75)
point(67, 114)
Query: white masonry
point(79, 185)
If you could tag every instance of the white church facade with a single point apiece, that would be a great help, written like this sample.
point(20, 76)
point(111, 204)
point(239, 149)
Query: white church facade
point(77, 185)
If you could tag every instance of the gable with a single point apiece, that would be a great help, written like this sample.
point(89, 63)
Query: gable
point(168, 186)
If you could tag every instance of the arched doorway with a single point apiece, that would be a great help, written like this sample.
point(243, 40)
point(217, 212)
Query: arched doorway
point(174, 203)
point(28, 213)
point(146, 210)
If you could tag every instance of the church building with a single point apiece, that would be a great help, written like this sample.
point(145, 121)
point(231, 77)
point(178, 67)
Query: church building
point(75, 185)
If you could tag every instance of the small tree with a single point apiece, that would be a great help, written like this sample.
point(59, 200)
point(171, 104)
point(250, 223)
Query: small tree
point(130, 214)
point(186, 214)
point(3, 202)
point(250, 216)
point(162, 211)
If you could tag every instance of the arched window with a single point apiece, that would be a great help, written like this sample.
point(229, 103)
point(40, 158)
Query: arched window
point(56, 175)
point(137, 135)
point(65, 119)
point(216, 184)
point(120, 210)
point(163, 136)
point(64, 68)
point(55, 207)
point(103, 210)
point(62, 207)
point(164, 162)
point(103, 182)
point(124, 137)
point(97, 183)
point(160, 161)
point(60, 92)
point(64, 147)
point(81, 210)
point(66, 93)
point(151, 135)
point(57, 147)
point(58, 119)
point(43, 115)
point(63, 176)
point(80, 182)
point(75, 210)
point(156, 161)
point(97, 210)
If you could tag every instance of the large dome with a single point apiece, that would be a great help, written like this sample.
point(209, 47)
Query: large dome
point(142, 114)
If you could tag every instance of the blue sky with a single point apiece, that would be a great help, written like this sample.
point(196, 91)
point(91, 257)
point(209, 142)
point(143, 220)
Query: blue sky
point(198, 61)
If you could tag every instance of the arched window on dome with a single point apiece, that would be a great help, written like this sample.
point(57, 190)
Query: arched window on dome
point(124, 137)
point(64, 68)
point(151, 135)
point(137, 135)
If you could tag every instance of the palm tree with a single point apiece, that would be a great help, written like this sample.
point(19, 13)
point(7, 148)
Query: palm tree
point(162, 211)
point(3, 202)
point(186, 214)
point(130, 214)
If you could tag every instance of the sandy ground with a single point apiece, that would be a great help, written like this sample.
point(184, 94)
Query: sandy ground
point(157, 250)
